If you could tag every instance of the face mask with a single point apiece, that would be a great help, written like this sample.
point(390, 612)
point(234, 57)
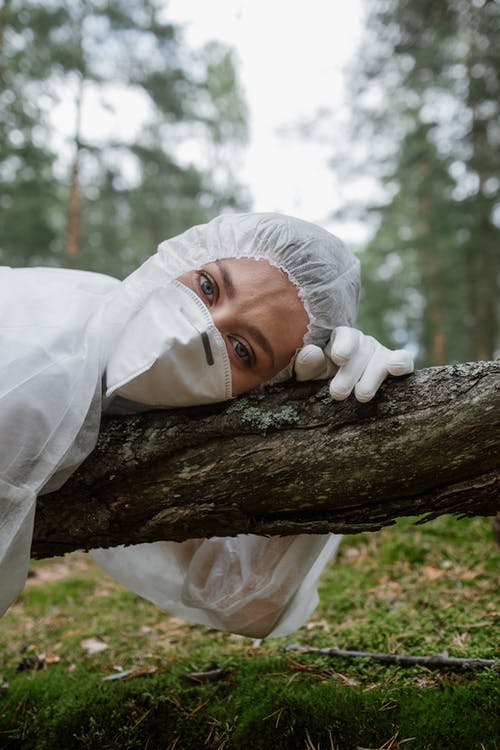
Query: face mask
point(170, 353)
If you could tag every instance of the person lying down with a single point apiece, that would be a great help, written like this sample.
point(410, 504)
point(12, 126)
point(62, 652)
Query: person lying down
point(226, 307)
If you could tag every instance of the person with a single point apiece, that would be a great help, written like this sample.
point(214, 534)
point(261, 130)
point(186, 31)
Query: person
point(223, 308)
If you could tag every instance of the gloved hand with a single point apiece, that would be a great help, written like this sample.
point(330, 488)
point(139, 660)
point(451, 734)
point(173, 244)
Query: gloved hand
point(359, 361)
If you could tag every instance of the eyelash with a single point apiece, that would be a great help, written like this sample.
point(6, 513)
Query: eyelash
point(203, 276)
point(249, 359)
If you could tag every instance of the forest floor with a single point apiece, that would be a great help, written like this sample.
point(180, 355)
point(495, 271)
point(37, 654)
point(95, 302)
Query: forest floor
point(86, 664)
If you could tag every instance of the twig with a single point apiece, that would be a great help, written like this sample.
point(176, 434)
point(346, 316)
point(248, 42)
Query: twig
point(213, 675)
point(437, 661)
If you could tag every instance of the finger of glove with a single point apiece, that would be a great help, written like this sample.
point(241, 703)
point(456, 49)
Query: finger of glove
point(400, 362)
point(312, 364)
point(347, 376)
point(374, 375)
point(343, 344)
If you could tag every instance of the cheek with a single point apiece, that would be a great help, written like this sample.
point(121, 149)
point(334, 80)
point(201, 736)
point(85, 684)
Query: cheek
point(287, 341)
point(242, 382)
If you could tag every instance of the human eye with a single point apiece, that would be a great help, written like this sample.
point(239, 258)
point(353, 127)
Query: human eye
point(242, 351)
point(207, 285)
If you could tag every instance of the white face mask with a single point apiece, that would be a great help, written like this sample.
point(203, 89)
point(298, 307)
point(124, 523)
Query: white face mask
point(170, 353)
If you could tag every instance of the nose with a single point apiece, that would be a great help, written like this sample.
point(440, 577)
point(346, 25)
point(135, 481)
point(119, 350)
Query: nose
point(223, 317)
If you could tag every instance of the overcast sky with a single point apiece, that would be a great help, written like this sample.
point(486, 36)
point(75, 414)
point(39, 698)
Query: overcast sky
point(291, 58)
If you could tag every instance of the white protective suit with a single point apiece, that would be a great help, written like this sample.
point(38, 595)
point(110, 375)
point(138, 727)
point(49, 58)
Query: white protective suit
point(58, 332)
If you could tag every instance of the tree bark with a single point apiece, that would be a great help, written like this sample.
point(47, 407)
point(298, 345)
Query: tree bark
point(286, 461)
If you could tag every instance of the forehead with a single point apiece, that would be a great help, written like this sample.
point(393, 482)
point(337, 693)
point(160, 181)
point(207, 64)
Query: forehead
point(253, 275)
point(256, 291)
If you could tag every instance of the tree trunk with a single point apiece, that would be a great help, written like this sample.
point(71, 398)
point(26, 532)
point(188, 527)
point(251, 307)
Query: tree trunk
point(73, 220)
point(286, 462)
point(4, 20)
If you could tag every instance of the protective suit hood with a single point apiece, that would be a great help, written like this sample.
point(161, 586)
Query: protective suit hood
point(325, 273)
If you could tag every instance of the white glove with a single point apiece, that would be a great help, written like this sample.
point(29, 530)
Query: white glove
point(359, 361)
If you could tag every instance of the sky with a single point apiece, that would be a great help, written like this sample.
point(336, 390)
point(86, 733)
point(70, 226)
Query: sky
point(291, 58)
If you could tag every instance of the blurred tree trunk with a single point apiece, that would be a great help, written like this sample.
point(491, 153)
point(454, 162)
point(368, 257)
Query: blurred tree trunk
point(73, 214)
point(432, 278)
point(74, 198)
point(4, 15)
point(288, 462)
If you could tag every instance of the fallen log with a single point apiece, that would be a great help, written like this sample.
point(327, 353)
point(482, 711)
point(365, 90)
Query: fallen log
point(287, 460)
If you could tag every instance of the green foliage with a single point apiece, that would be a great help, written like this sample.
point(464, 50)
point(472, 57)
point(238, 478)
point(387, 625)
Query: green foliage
point(426, 101)
point(72, 196)
point(410, 589)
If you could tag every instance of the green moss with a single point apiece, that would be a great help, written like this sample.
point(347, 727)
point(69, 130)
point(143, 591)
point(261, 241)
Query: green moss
point(258, 707)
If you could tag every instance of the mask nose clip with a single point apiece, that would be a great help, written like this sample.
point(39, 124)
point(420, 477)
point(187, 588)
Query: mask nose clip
point(207, 348)
point(205, 339)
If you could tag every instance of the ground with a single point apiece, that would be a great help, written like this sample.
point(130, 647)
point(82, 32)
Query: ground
point(407, 589)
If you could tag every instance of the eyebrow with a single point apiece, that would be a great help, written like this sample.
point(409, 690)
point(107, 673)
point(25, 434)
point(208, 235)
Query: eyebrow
point(226, 279)
point(261, 339)
point(255, 332)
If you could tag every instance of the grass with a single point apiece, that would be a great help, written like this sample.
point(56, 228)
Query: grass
point(411, 589)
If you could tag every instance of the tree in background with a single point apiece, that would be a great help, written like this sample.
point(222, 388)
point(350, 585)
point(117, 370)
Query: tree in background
point(426, 95)
point(73, 195)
